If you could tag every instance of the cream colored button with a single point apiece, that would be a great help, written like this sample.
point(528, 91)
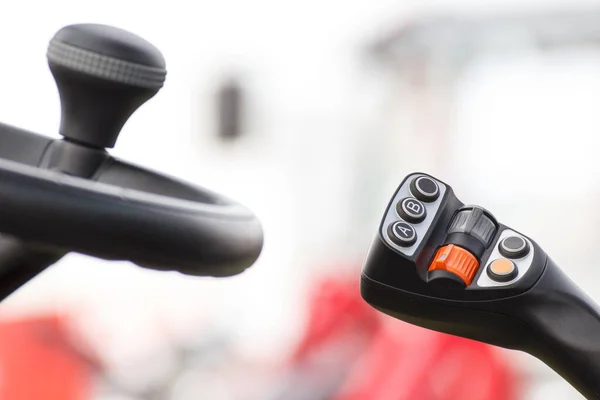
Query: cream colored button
point(502, 270)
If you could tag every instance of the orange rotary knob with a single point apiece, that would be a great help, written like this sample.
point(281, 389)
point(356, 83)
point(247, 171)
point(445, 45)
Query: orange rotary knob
point(455, 260)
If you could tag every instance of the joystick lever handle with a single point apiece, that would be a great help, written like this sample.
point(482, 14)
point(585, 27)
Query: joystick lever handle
point(455, 268)
point(103, 75)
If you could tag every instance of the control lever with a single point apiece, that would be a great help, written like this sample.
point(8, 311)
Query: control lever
point(443, 265)
point(103, 75)
point(70, 194)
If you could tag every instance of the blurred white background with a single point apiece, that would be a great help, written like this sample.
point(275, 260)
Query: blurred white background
point(329, 132)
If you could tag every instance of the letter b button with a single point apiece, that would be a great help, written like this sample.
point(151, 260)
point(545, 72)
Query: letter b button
point(411, 210)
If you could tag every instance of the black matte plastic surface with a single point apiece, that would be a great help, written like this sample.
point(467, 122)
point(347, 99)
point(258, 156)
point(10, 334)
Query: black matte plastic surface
point(554, 321)
point(98, 95)
point(67, 195)
point(123, 224)
point(125, 212)
point(94, 110)
point(22, 146)
point(543, 313)
point(475, 222)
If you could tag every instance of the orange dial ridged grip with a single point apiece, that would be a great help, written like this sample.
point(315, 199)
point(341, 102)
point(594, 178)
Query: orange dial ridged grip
point(456, 260)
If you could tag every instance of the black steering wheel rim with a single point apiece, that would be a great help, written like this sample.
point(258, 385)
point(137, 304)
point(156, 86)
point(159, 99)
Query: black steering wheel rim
point(215, 237)
point(58, 196)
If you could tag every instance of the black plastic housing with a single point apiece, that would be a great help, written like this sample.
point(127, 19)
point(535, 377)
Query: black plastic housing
point(544, 313)
point(59, 196)
point(94, 110)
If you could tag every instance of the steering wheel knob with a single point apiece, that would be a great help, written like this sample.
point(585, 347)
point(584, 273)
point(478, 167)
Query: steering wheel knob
point(66, 195)
point(103, 75)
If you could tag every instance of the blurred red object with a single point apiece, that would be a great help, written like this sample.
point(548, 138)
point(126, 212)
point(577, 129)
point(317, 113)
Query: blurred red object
point(400, 361)
point(335, 310)
point(38, 362)
point(404, 362)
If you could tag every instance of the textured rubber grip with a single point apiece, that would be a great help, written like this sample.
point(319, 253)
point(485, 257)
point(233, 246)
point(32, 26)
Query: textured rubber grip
point(105, 67)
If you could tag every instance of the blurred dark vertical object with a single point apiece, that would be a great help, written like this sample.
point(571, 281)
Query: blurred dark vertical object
point(230, 103)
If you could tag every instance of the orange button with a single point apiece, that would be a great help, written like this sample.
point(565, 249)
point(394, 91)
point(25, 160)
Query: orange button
point(502, 267)
point(457, 260)
point(502, 270)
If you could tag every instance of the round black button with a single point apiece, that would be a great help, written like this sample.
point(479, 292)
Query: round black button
point(425, 189)
point(402, 234)
point(502, 270)
point(514, 247)
point(411, 210)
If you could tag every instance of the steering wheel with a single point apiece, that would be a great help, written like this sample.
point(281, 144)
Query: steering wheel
point(71, 195)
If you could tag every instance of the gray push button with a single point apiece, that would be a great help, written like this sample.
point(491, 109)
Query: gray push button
point(514, 247)
point(402, 234)
point(411, 210)
point(425, 189)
